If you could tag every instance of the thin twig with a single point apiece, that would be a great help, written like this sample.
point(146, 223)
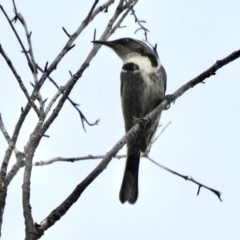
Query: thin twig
point(55, 97)
point(4, 131)
point(139, 22)
point(16, 34)
point(66, 32)
point(30, 50)
point(154, 139)
point(73, 159)
point(14, 71)
point(160, 133)
point(94, 34)
point(19, 156)
point(187, 178)
point(74, 104)
point(19, 164)
point(129, 6)
point(91, 11)
point(33, 65)
point(8, 152)
point(14, 5)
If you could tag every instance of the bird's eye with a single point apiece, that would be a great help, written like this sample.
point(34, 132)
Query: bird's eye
point(125, 40)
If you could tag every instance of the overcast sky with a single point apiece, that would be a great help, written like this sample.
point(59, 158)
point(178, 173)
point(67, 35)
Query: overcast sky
point(202, 140)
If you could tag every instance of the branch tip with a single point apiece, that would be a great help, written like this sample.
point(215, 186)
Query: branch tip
point(66, 32)
point(45, 68)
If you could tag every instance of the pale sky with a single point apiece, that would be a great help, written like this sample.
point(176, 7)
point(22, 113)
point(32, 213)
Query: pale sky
point(202, 140)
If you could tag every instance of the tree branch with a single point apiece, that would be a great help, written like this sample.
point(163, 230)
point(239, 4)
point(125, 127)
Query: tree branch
point(186, 178)
point(75, 105)
point(33, 65)
point(16, 34)
point(4, 132)
point(8, 61)
point(129, 5)
point(73, 159)
point(154, 139)
point(139, 22)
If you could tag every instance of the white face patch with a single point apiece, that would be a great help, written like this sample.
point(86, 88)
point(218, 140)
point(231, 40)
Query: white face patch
point(143, 63)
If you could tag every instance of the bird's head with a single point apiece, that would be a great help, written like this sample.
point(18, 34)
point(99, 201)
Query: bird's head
point(127, 48)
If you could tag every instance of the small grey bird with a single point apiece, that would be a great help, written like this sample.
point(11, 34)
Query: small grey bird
point(143, 86)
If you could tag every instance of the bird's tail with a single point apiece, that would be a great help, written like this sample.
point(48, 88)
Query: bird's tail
point(129, 188)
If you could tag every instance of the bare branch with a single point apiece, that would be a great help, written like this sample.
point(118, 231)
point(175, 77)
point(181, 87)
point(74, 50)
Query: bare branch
point(7, 155)
point(16, 34)
point(91, 11)
point(59, 92)
point(14, 5)
point(165, 127)
point(71, 47)
point(187, 178)
point(154, 139)
point(19, 156)
point(94, 34)
point(30, 51)
point(30, 149)
point(4, 132)
point(100, 9)
point(9, 150)
point(8, 61)
point(19, 164)
point(139, 22)
point(45, 68)
point(56, 214)
point(145, 155)
point(129, 5)
point(33, 64)
point(66, 32)
point(75, 105)
point(74, 159)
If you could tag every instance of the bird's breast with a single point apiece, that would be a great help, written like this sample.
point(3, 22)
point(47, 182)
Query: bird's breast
point(141, 91)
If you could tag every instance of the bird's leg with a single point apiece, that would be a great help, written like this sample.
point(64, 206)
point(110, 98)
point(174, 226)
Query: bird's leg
point(142, 122)
point(170, 99)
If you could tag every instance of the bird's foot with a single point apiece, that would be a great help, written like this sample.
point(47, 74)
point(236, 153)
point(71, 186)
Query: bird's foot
point(142, 122)
point(170, 99)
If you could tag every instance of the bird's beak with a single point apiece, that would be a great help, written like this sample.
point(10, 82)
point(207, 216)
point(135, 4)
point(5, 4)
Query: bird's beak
point(112, 45)
point(106, 43)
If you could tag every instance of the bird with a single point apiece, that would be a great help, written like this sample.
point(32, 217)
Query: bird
point(143, 87)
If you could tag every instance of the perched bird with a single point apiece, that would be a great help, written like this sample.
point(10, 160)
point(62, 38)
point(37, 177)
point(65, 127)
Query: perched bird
point(143, 86)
